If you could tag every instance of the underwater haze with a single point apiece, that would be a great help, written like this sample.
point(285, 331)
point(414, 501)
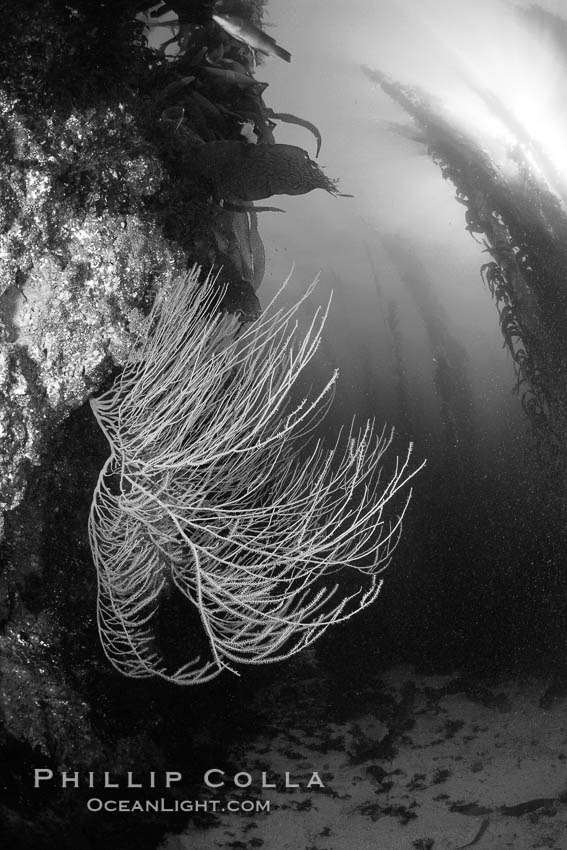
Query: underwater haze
point(183, 505)
point(438, 715)
point(413, 328)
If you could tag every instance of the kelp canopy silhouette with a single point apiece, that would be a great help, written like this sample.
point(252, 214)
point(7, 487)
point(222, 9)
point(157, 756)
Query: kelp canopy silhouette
point(209, 492)
point(522, 225)
point(451, 380)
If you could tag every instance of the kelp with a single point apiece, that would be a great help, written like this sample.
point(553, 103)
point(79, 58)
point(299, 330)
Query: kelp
point(390, 308)
point(237, 171)
point(522, 226)
point(451, 377)
point(217, 136)
point(300, 122)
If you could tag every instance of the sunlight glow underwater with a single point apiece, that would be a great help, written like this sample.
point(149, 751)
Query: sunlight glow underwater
point(500, 79)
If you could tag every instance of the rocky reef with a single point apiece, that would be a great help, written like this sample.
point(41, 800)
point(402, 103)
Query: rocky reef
point(101, 203)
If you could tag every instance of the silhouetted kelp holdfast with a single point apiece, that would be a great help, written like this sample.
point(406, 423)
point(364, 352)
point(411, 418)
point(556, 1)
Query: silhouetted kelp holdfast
point(217, 490)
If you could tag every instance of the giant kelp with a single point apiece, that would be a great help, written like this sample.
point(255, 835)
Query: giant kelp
point(390, 309)
point(451, 377)
point(253, 172)
point(521, 224)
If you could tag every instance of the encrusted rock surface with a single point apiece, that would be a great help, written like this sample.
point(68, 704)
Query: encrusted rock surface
point(71, 282)
point(98, 210)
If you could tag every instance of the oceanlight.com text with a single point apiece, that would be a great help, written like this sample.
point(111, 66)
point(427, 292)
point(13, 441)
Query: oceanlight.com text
point(96, 804)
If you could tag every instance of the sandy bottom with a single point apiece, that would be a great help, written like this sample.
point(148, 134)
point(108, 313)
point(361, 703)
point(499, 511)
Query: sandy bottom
point(413, 762)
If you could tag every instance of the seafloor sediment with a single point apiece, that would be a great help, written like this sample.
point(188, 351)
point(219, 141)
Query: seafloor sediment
point(413, 761)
